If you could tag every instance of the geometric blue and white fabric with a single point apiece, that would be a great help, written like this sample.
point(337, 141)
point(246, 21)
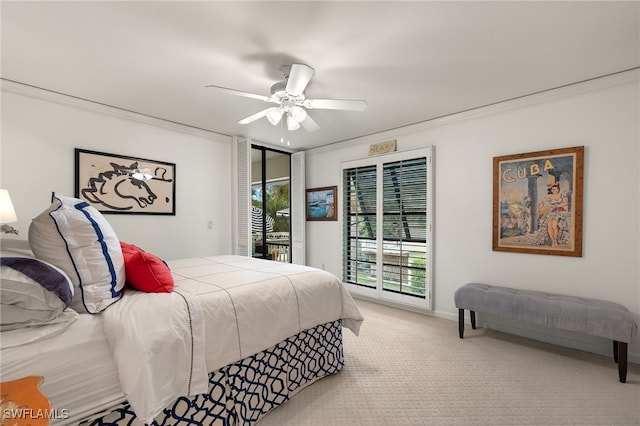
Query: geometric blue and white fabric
point(243, 392)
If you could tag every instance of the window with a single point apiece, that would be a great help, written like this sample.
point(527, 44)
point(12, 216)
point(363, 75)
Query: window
point(387, 227)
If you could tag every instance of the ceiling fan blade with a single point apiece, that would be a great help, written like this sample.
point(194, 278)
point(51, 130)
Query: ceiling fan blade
point(342, 104)
point(299, 77)
point(240, 93)
point(309, 124)
point(258, 115)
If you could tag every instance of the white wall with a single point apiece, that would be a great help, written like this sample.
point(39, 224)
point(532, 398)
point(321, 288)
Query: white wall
point(602, 115)
point(40, 131)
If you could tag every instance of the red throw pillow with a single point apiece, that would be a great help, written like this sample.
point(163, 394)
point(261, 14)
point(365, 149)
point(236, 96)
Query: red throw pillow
point(144, 271)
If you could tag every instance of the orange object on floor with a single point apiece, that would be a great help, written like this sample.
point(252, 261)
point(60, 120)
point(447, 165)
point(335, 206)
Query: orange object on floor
point(23, 404)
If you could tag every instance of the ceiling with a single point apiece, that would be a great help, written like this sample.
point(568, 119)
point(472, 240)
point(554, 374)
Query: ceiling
point(411, 61)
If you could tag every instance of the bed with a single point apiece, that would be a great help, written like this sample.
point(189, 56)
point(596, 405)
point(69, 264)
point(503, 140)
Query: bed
point(232, 339)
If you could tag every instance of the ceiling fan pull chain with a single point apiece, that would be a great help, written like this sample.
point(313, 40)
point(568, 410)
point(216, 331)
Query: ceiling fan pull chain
point(282, 131)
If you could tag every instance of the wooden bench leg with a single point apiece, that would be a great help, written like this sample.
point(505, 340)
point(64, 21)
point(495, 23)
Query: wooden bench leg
point(461, 321)
point(622, 361)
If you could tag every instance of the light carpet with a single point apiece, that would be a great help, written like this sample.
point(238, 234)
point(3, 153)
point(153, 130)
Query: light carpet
point(407, 368)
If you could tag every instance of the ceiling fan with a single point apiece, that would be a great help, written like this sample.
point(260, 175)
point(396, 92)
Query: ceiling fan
point(291, 103)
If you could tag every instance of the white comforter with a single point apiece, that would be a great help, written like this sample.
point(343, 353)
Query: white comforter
point(223, 309)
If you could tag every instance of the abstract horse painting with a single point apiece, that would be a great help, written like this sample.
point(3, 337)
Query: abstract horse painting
point(119, 184)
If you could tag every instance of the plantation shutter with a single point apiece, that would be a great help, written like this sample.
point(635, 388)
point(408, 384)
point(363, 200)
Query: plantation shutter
point(405, 226)
point(387, 227)
point(298, 220)
point(360, 228)
point(242, 153)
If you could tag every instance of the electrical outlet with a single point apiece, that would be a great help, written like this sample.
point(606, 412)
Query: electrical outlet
point(210, 224)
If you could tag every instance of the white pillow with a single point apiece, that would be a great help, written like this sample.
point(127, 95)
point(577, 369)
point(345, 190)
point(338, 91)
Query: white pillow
point(37, 332)
point(32, 292)
point(74, 236)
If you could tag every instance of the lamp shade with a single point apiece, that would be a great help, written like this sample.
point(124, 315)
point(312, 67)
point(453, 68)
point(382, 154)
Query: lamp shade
point(274, 115)
point(298, 114)
point(7, 213)
point(292, 123)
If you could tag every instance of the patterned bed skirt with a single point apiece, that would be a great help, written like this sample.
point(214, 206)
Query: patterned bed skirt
point(243, 392)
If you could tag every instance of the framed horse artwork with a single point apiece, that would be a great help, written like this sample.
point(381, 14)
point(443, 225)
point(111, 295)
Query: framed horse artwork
point(115, 183)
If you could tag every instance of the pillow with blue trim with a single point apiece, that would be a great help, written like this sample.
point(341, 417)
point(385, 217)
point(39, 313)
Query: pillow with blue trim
point(74, 236)
point(32, 292)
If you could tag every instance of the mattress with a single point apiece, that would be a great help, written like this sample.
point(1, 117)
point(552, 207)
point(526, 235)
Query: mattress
point(222, 309)
point(80, 376)
point(239, 306)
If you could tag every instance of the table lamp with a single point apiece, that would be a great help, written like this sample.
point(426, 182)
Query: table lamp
point(7, 213)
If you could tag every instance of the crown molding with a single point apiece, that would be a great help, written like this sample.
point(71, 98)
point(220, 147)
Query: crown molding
point(631, 76)
point(23, 89)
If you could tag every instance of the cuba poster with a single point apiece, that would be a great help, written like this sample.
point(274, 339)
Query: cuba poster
point(537, 202)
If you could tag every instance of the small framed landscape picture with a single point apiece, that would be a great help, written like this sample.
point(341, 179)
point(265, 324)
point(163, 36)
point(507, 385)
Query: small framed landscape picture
point(322, 203)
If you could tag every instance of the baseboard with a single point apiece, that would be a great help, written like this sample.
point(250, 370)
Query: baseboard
point(394, 304)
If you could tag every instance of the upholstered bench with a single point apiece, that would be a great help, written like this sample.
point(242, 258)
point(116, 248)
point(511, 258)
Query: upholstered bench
point(590, 316)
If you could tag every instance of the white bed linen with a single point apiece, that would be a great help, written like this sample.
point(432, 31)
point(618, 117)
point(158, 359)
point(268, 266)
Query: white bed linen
point(251, 304)
point(157, 342)
point(78, 369)
point(33, 333)
point(246, 305)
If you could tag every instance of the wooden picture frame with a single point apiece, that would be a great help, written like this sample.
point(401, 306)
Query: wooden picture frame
point(537, 202)
point(322, 203)
point(115, 183)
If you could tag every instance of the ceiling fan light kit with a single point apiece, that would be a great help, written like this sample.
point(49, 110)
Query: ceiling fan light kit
point(291, 102)
point(292, 123)
point(298, 113)
point(274, 115)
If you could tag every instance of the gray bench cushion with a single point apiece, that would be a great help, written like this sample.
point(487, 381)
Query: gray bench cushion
point(590, 316)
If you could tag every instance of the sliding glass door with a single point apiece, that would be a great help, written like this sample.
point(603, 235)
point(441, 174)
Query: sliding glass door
point(270, 204)
point(387, 227)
